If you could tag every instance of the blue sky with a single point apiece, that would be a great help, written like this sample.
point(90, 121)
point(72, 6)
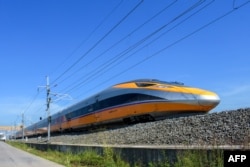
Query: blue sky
point(86, 46)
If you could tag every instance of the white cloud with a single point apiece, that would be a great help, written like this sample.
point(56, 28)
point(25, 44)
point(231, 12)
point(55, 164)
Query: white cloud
point(239, 89)
point(234, 97)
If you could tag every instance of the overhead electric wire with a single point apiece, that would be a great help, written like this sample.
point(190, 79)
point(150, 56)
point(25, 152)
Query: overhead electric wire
point(121, 40)
point(164, 33)
point(173, 44)
point(131, 48)
point(29, 105)
point(236, 7)
point(88, 37)
point(100, 40)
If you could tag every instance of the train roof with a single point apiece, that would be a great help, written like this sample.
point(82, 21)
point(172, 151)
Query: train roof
point(153, 81)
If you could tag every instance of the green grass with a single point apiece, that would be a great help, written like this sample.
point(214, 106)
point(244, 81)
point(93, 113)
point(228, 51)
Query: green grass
point(87, 158)
point(90, 158)
point(200, 158)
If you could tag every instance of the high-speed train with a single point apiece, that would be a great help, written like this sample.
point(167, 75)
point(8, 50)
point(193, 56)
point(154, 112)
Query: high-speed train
point(128, 102)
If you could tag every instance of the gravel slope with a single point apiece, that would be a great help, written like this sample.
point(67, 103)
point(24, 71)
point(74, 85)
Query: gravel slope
point(223, 128)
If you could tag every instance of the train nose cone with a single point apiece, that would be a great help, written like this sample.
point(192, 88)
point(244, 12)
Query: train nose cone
point(209, 100)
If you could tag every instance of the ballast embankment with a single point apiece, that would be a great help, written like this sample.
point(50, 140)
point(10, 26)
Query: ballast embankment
point(220, 128)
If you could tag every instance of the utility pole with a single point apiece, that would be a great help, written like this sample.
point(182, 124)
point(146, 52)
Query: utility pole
point(15, 129)
point(48, 100)
point(22, 126)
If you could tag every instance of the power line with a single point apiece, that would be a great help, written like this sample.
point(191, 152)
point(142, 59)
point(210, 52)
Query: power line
point(118, 42)
point(173, 44)
point(88, 37)
point(100, 40)
point(30, 104)
point(113, 60)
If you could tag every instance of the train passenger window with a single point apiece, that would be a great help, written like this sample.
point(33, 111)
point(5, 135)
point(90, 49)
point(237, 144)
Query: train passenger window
point(126, 98)
point(109, 102)
point(143, 84)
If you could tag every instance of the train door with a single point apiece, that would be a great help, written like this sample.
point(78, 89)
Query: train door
point(60, 122)
point(96, 108)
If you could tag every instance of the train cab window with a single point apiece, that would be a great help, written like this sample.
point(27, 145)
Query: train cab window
point(143, 84)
